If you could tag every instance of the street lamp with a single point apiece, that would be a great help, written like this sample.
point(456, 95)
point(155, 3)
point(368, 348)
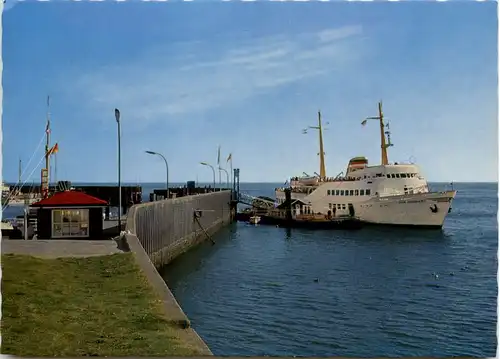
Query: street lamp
point(166, 165)
point(212, 167)
point(227, 176)
point(117, 117)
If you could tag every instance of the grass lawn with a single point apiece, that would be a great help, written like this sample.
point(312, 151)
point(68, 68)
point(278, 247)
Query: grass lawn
point(96, 306)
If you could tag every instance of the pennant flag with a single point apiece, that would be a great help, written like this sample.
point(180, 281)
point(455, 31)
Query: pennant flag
point(117, 115)
point(364, 122)
point(230, 157)
point(218, 156)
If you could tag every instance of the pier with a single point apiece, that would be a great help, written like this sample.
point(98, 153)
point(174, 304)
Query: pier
point(155, 233)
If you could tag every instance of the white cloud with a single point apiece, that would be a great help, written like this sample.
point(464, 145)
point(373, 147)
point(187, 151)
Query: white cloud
point(158, 87)
point(340, 33)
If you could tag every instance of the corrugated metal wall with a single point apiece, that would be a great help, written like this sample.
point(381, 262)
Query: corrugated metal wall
point(161, 224)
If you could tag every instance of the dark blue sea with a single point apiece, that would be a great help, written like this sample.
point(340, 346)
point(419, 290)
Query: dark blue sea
point(375, 292)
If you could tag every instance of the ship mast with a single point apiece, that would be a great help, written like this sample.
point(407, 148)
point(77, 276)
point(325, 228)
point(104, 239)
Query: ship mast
point(322, 171)
point(383, 143)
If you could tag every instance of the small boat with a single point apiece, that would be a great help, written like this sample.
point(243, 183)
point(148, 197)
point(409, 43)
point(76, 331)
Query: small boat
point(254, 219)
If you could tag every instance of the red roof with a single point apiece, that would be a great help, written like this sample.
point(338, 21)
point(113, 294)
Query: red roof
point(70, 198)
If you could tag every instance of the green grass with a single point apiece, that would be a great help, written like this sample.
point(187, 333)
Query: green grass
point(97, 306)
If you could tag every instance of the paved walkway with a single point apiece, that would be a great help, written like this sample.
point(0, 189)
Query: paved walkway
point(60, 248)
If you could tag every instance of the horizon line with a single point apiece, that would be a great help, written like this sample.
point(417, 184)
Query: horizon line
point(223, 183)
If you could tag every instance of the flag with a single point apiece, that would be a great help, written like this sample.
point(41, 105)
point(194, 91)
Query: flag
point(117, 115)
point(218, 157)
point(53, 150)
point(364, 122)
point(230, 157)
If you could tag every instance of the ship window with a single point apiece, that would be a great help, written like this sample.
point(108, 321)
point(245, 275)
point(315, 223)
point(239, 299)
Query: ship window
point(388, 175)
point(367, 192)
point(397, 175)
point(403, 175)
point(328, 192)
point(356, 192)
point(393, 175)
point(338, 206)
point(379, 175)
point(343, 206)
point(337, 192)
point(364, 176)
point(342, 192)
point(361, 192)
point(351, 192)
point(329, 205)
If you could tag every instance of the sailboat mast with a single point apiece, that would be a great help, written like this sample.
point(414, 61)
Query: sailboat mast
point(322, 170)
point(383, 143)
point(47, 143)
point(20, 172)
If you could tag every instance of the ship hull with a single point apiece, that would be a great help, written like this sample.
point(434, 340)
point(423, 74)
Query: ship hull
point(427, 210)
point(423, 210)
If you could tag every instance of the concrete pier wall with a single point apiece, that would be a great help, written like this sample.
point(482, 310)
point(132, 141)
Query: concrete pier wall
point(160, 231)
point(169, 228)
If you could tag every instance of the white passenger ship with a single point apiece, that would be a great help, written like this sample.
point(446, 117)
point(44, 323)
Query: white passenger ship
point(392, 194)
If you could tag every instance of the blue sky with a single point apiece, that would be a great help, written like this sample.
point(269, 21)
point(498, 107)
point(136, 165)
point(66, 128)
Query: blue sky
point(249, 76)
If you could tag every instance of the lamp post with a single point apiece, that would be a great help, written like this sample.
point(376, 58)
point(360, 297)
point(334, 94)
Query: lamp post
point(166, 166)
point(227, 176)
point(212, 167)
point(117, 117)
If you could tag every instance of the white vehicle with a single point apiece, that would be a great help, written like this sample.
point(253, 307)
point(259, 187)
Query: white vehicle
point(391, 194)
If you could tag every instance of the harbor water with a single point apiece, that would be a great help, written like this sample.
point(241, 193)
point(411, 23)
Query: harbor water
point(375, 292)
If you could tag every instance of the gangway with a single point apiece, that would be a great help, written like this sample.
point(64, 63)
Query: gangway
point(257, 202)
